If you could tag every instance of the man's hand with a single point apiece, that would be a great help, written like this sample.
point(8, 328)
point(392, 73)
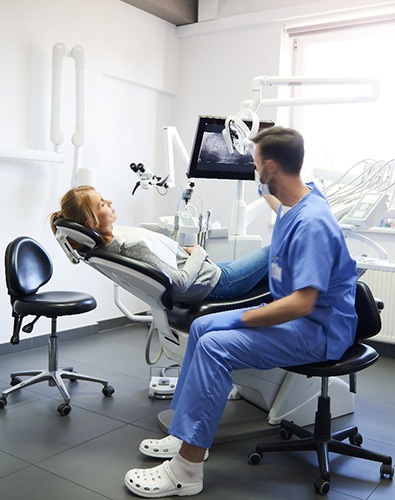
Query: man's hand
point(300, 303)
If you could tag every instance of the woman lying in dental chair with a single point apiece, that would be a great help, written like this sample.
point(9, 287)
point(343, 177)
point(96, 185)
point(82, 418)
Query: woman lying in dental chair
point(194, 277)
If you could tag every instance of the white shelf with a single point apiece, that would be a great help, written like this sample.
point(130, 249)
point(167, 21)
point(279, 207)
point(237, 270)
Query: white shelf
point(30, 155)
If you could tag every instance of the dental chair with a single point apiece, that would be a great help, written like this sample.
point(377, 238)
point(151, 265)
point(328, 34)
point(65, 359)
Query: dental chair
point(28, 267)
point(261, 398)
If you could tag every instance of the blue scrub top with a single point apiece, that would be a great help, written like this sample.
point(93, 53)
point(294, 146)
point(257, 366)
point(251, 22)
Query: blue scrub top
point(308, 249)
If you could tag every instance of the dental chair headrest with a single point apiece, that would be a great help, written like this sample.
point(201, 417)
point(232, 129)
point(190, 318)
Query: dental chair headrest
point(85, 237)
point(133, 275)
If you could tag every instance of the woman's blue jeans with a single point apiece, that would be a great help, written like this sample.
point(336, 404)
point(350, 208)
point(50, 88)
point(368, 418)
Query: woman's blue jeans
point(241, 275)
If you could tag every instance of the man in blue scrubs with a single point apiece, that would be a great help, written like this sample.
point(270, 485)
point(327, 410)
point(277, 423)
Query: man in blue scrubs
point(312, 318)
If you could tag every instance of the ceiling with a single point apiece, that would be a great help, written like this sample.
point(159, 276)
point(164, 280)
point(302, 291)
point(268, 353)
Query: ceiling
point(177, 12)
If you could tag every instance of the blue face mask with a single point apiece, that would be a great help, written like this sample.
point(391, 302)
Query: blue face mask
point(264, 189)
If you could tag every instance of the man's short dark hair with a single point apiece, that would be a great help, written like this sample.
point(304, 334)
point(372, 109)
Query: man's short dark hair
point(284, 145)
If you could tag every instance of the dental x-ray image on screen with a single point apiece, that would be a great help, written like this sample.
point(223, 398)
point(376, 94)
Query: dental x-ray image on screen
point(211, 158)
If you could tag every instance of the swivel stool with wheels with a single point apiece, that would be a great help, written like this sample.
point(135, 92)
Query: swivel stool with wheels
point(28, 267)
point(358, 357)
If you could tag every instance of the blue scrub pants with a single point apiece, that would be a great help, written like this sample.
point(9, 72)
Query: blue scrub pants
point(215, 349)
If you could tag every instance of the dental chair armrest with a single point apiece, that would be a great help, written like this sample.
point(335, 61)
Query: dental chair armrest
point(182, 315)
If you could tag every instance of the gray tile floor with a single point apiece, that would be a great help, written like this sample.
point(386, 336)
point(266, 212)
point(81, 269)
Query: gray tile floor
point(85, 455)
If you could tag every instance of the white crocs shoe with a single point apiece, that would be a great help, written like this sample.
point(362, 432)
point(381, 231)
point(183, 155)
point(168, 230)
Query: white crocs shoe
point(167, 447)
point(159, 482)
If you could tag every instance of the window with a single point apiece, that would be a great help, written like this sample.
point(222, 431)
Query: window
point(339, 136)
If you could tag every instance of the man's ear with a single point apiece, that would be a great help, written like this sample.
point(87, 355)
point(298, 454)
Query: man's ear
point(271, 166)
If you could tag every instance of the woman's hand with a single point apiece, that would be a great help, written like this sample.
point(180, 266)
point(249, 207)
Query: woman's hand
point(190, 250)
point(198, 248)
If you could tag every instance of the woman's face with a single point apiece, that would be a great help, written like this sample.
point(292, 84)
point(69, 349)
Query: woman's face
point(105, 213)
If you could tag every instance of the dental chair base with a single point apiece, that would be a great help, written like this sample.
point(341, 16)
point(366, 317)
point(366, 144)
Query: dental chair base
point(241, 420)
point(162, 385)
point(295, 400)
point(294, 395)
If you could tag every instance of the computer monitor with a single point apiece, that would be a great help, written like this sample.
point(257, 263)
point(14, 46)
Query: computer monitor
point(210, 157)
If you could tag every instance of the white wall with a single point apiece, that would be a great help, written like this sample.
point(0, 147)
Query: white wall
point(131, 80)
point(216, 70)
point(141, 74)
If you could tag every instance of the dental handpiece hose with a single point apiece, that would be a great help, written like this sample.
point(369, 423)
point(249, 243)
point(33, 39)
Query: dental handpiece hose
point(206, 231)
point(200, 234)
point(176, 227)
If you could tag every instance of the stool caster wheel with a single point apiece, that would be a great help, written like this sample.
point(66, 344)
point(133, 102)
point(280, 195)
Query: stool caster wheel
point(356, 439)
point(15, 381)
point(284, 434)
point(3, 403)
point(322, 486)
point(64, 409)
point(254, 458)
point(387, 470)
point(108, 391)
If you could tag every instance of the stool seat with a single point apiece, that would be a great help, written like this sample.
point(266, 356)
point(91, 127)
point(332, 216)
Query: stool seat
point(53, 304)
point(356, 358)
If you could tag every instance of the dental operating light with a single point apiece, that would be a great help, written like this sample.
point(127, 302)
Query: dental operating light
point(370, 90)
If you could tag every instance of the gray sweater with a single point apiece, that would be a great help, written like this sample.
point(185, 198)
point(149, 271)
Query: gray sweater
point(193, 277)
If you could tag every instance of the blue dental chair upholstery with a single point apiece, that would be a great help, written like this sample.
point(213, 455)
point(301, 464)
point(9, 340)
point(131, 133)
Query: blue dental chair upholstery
point(28, 267)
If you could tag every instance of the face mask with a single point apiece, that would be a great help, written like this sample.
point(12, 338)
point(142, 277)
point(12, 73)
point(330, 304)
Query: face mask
point(264, 189)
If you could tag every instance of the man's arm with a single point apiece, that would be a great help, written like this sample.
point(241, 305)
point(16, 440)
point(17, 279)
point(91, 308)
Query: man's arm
point(300, 303)
point(273, 202)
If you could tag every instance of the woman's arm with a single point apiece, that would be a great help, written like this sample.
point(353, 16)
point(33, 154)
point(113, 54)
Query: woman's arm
point(181, 279)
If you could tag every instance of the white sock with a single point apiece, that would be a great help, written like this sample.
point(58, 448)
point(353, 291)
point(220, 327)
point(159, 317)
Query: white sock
point(186, 471)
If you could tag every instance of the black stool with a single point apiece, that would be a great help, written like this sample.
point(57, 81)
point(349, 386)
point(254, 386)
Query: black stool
point(358, 357)
point(28, 267)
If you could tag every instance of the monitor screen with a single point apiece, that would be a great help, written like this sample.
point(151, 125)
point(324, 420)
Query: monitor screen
point(210, 156)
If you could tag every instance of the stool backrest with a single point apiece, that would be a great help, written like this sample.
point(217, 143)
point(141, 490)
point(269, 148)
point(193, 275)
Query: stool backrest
point(369, 321)
point(27, 266)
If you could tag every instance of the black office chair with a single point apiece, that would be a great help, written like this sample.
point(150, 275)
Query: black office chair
point(356, 358)
point(28, 267)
